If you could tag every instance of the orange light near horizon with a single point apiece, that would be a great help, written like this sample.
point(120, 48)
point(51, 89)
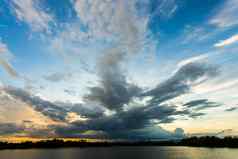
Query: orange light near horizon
point(14, 139)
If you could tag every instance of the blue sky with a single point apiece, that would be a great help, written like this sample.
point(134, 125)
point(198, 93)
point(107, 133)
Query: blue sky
point(84, 65)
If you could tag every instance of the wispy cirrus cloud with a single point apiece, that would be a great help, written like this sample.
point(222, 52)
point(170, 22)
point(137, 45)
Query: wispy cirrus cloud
point(166, 8)
point(4, 60)
point(30, 12)
point(231, 40)
point(226, 15)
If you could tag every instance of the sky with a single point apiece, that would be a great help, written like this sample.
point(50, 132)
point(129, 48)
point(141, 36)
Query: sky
point(118, 69)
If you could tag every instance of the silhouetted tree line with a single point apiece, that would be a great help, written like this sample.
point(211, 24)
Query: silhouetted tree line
point(210, 141)
point(206, 141)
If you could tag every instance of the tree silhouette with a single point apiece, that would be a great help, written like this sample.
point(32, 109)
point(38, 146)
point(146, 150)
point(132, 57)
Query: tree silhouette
point(206, 141)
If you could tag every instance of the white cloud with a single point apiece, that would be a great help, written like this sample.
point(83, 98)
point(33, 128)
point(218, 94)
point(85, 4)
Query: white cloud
point(192, 59)
point(228, 41)
point(30, 12)
point(227, 15)
point(113, 20)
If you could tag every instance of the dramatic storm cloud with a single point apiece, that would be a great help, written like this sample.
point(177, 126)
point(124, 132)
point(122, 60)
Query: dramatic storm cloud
point(94, 118)
point(114, 91)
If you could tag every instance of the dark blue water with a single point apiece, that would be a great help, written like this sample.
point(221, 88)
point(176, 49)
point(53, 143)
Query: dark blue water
point(122, 153)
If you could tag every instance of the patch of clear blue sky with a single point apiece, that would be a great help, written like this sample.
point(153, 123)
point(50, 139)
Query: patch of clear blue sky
point(188, 13)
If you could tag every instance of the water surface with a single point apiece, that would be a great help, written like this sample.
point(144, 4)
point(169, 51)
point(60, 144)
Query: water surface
point(152, 152)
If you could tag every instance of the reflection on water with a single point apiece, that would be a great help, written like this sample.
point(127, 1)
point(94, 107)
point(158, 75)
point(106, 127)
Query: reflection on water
point(122, 153)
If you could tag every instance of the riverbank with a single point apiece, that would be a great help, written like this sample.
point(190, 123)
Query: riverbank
point(229, 142)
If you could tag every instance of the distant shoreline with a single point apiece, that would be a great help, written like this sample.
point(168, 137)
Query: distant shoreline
point(208, 142)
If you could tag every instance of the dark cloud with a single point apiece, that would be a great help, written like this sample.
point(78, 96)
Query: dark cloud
point(114, 93)
point(195, 103)
point(26, 128)
point(155, 132)
point(10, 128)
point(181, 82)
point(45, 107)
point(114, 90)
point(87, 110)
point(124, 122)
point(201, 104)
point(54, 110)
point(231, 109)
point(116, 125)
point(196, 115)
